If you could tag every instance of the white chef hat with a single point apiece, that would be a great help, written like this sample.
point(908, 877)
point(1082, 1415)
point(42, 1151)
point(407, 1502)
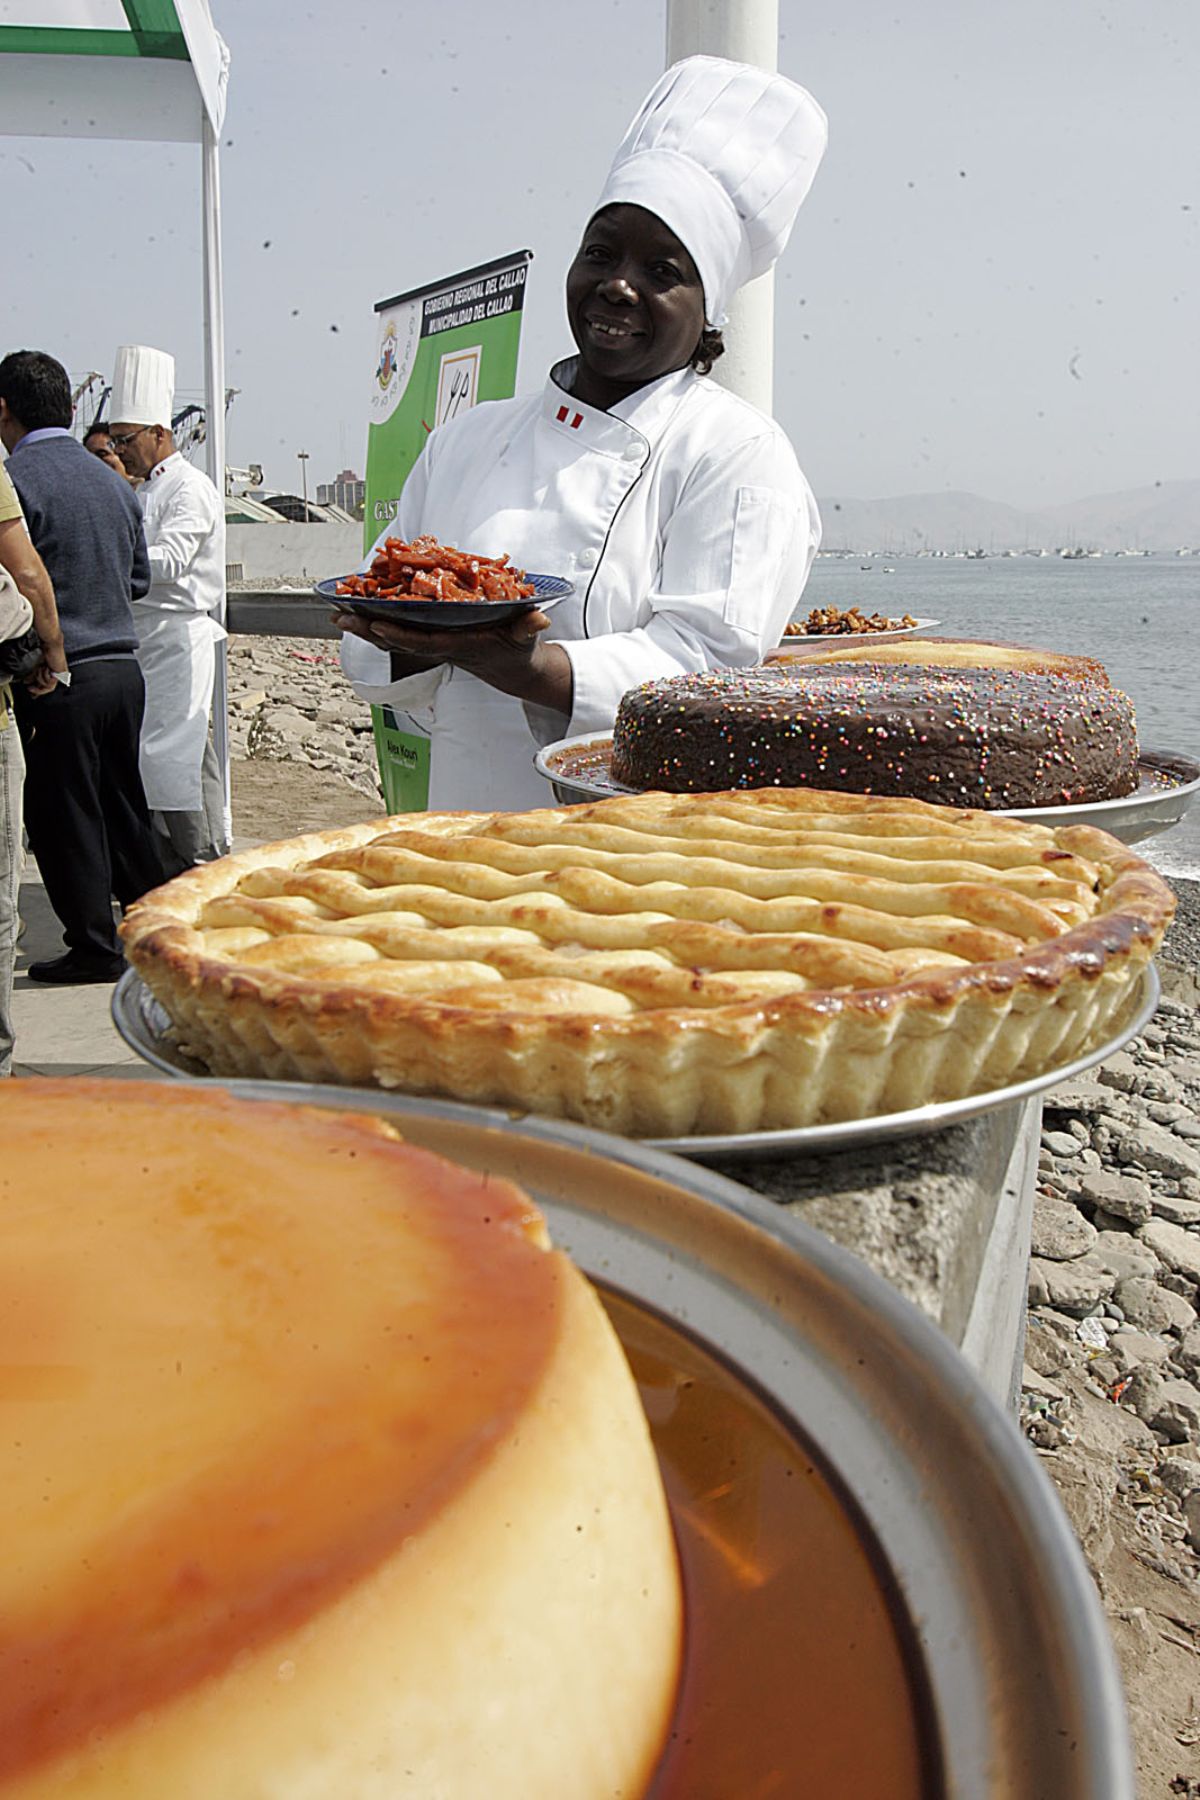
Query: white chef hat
point(143, 387)
point(724, 154)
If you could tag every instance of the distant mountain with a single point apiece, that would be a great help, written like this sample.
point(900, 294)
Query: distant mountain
point(1163, 517)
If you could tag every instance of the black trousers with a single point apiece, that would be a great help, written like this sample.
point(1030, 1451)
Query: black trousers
point(85, 808)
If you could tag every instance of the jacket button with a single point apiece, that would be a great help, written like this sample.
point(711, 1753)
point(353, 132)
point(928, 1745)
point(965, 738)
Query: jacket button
point(633, 452)
point(588, 559)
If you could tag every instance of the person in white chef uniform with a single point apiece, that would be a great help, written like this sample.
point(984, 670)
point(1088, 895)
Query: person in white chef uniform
point(677, 510)
point(178, 620)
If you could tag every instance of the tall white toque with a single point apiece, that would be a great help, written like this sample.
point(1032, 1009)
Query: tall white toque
point(724, 154)
point(143, 388)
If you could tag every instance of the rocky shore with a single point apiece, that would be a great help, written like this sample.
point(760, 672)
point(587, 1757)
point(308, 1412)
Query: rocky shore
point(1111, 1395)
point(290, 703)
point(1111, 1387)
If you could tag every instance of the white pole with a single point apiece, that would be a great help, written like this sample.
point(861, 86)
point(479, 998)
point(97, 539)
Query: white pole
point(744, 31)
point(214, 413)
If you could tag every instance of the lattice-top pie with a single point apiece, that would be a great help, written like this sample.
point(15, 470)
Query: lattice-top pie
point(660, 964)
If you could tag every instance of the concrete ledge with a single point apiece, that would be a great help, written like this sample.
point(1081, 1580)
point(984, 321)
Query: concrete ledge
point(993, 1339)
point(944, 1218)
point(277, 612)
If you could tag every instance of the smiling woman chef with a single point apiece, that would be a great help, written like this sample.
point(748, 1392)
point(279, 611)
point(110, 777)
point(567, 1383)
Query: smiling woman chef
point(677, 510)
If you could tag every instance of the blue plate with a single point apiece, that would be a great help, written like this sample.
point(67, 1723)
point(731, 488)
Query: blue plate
point(454, 614)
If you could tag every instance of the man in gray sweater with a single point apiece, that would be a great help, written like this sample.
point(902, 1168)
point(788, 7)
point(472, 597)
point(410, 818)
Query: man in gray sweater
point(85, 808)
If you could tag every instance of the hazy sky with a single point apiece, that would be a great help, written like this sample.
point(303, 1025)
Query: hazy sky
point(992, 286)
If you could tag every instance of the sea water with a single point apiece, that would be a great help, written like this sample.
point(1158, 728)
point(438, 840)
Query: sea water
point(1139, 615)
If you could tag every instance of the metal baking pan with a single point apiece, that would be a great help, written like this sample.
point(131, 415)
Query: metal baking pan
point(577, 768)
point(1014, 1652)
point(146, 1027)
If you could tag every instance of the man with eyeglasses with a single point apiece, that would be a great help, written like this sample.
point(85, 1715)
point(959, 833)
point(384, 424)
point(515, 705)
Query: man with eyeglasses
point(177, 620)
point(97, 441)
point(85, 809)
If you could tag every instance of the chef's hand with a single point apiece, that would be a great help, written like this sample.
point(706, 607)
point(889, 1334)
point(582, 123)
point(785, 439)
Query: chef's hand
point(512, 656)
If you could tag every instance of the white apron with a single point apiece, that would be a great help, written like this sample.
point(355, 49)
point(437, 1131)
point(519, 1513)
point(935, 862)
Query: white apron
point(177, 629)
point(176, 653)
point(681, 517)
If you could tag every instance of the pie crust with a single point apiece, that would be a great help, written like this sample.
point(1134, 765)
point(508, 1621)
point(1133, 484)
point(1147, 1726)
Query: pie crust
point(660, 964)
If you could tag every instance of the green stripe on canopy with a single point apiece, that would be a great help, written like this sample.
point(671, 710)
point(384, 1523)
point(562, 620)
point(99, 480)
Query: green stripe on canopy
point(154, 31)
point(156, 28)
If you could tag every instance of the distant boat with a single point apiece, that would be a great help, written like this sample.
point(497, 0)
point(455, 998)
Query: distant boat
point(866, 565)
point(976, 555)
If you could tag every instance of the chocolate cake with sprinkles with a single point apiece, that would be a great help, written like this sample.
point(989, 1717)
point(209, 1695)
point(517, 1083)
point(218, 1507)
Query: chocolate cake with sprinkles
point(992, 738)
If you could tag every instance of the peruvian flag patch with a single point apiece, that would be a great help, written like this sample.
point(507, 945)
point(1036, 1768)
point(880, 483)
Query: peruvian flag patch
point(563, 414)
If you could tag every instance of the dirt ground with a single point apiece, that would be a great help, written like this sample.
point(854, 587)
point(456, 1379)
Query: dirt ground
point(1154, 1616)
point(282, 799)
point(1152, 1605)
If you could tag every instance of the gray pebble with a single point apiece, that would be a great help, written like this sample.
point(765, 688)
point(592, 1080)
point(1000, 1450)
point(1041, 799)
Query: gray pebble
point(1073, 1287)
point(1178, 1412)
point(1106, 1221)
point(1175, 1283)
point(1120, 1072)
point(1061, 1143)
point(1175, 1210)
point(1132, 1348)
point(1167, 1112)
point(1124, 1254)
point(1150, 1307)
point(1179, 1475)
point(1175, 1246)
point(1119, 1195)
point(1191, 1513)
point(1060, 1231)
point(1156, 1147)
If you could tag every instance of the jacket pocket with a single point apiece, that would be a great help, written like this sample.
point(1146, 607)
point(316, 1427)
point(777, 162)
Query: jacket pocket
point(763, 528)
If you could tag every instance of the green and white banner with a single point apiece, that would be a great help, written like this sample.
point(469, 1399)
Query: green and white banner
point(440, 349)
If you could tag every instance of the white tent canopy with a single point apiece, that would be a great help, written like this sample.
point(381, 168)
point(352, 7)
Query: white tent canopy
point(133, 69)
point(111, 69)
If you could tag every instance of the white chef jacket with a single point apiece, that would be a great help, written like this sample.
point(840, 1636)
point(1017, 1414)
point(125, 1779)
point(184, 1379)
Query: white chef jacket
point(178, 629)
point(682, 518)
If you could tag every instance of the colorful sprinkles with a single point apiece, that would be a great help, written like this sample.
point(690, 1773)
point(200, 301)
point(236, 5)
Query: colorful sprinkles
point(987, 738)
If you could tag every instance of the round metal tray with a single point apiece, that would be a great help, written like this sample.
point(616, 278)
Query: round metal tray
point(577, 768)
point(1022, 1681)
point(146, 1027)
point(790, 649)
point(1169, 785)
